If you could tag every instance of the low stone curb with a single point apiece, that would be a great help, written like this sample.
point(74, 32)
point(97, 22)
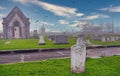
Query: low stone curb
point(46, 50)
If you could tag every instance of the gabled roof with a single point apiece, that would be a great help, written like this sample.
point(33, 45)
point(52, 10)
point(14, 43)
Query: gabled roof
point(17, 11)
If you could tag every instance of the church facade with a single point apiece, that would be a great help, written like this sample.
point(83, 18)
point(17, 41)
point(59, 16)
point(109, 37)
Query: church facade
point(16, 25)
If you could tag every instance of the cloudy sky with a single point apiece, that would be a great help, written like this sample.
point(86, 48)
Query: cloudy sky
point(63, 15)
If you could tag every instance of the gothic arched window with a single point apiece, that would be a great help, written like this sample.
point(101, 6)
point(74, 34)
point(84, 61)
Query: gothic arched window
point(16, 23)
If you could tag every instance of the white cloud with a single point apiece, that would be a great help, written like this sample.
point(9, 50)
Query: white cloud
point(82, 24)
point(1, 15)
point(2, 8)
point(57, 10)
point(78, 23)
point(96, 16)
point(63, 22)
point(22, 1)
point(111, 9)
point(46, 23)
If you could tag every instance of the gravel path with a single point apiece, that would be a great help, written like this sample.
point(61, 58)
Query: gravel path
point(93, 53)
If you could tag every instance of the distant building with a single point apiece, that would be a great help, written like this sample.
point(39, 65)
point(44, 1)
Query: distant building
point(16, 25)
point(35, 33)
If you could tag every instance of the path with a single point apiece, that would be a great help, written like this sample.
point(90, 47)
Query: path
point(94, 53)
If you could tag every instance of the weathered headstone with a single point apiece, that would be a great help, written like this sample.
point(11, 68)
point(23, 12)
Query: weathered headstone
point(41, 40)
point(78, 56)
point(103, 39)
point(61, 39)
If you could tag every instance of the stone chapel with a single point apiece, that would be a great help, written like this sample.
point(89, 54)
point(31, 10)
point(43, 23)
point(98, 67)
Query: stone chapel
point(16, 25)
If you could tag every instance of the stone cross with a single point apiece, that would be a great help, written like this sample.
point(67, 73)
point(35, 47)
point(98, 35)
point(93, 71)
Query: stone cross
point(78, 56)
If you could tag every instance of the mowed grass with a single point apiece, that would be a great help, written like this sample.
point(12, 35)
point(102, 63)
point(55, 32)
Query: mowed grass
point(105, 43)
point(32, 44)
point(16, 44)
point(107, 66)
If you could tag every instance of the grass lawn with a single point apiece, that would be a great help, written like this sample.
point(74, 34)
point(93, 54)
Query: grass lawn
point(105, 43)
point(32, 44)
point(106, 66)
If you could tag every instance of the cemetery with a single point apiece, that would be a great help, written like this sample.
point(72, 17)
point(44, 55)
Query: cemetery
point(50, 38)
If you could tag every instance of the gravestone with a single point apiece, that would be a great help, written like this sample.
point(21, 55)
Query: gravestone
point(103, 39)
point(108, 39)
point(35, 34)
point(61, 39)
point(88, 42)
point(41, 40)
point(96, 37)
point(112, 38)
point(52, 37)
point(78, 56)
point(117, 38)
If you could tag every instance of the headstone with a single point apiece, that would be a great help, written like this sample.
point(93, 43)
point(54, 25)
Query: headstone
point(61, 39)
point(112, 38)
point(52, 37)
point(35, 34)
point(78, 56)
point(88, 42)
point(41, 40)
point(96, 37)
point(103, 39)
point(117, 38)
point(108, 39)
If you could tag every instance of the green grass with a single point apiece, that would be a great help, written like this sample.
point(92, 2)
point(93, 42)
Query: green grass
point(106, 66)
point(105, 43)
point(32, 44)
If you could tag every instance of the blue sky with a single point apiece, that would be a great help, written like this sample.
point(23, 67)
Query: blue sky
point(63, 15)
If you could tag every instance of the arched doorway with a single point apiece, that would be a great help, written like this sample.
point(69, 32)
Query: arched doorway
point(16, 30)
